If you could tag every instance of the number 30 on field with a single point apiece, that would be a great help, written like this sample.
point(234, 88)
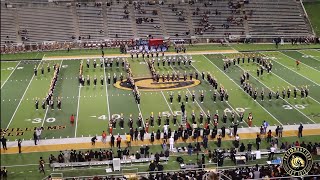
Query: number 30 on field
point(39, 120)
point(298, 106)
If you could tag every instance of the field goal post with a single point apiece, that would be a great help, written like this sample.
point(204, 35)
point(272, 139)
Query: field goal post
point(130, 172)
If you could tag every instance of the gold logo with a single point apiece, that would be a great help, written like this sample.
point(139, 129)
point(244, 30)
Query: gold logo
point(297, 161)
point(147, 84)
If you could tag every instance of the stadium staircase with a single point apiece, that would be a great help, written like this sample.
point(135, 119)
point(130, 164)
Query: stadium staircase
point(76, 21)
point(133, 20)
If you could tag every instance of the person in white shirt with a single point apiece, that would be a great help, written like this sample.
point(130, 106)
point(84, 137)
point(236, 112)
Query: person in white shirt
point(165, 129)
point(272, 150)
point(171, 142)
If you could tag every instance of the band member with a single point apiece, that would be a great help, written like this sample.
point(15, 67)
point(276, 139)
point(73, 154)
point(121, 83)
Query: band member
point(201, 97)
point(95, 80)
point(270, 95)
point(201, 118)
point(174, 119)
point(43, 105)
point(187, 98)
point(159, 119)
point(101, 80)
point(51, 104)
point(171, 98)
point(193, 96)
point(59, 103)
point(179, 97)
point(37, 104)
point(94, 63)
point(121, 122)
point(48, 67)
point(42, 70)
point(250, 118)
point(288, 92)
point(152, 119)
point(35, 70)
point(88, 80)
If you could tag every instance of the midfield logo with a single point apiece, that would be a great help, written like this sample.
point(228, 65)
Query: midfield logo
point(297, 161)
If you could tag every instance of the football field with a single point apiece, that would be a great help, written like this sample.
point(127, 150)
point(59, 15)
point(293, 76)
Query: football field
point(93, 106)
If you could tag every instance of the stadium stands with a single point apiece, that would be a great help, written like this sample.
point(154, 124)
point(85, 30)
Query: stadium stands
point(63, 21)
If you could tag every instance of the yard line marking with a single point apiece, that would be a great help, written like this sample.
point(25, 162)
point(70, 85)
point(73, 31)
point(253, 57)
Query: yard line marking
point(241, 89)
point(45, 115)
point(312, 57)
point(294, 86)
point(191, 95)
point(167, 102)
point(280, 97)
point(226, 102)
point(76, 127)
point(105, 79)
point(294, 71)
point(25, 91)
point(301, 62)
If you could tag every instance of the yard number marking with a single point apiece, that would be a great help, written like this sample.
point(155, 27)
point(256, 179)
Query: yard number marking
point(298, 106)
point(39, 120)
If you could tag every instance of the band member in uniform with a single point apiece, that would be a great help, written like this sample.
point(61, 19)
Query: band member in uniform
point(306, 91)
point(95, 80)
point(174, 119)
point(130, 121)
point(302, 92)
point(208, 117)
point(187, 98)
point(277, 94)
point(193, 96)
point(59, 103)
point(255, 94)
point(101, 80)
point(37, 104)
point(214, 96)
point(270, 95)
point(121, 77)
point(94, 63)
point(171, 98)
point(109, 78)
point(35, 70)
point(121, 122)
point(139, 122)
point(159, 119)
point(258, 72)
point(283, 93)
point(168, 119)
point(51, 104)
point(114, 78)
point(147, 126)
point(42, 70)
point(262, 95)
point(43, 105)
point(179, 97)
point(88, 63)
point(48, 67)
point(202, 74)
point(250, 118)
point(288, 92)
point(224, 117)
point(226, 95)
point(241, 116)
point(201, 97)
point(196, 75)
point(201, 118)
point(88, 80)
point(152, 119)
point(295, 92)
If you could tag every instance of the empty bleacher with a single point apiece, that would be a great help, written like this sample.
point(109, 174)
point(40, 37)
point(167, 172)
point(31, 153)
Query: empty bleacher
point(273, 17)
point(90, 19)
point(46, 23)
point(8, 26)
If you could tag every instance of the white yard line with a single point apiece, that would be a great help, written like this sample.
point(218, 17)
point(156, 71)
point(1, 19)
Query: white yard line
point(76, 127)
point(226, 102)
point(241, 89)
point(300, 62)
point(280, 96)
point(107, 95)
point(22, 98)
point(45, 115)
point(293, 86)
point(294, 71)
point(311, 56)
point(191, 95)
point(10, 75)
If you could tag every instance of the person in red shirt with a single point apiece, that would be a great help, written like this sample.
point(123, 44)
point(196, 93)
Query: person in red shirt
point(72, 119)
point(104, 137)
point(118, 141)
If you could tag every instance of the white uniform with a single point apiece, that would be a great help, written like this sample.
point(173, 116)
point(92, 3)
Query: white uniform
point(171, 141)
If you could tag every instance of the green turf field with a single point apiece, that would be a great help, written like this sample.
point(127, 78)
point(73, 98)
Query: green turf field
point(94, 105)
point(312, 9)
point(24, 166)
